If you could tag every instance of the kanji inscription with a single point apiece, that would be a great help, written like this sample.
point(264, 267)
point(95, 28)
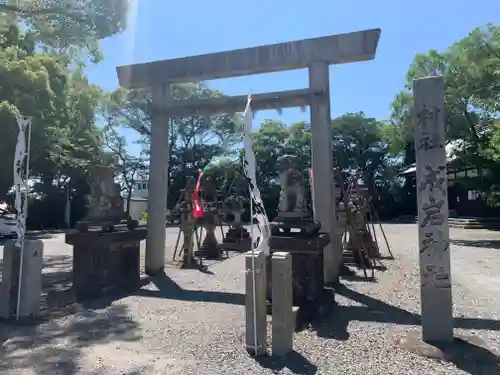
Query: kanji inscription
point(434, 238)
point(432, 212)
point(430, 141)
point(428, 115)
point(434, 179)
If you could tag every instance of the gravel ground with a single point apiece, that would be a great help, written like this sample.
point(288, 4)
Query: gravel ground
point(193, 323)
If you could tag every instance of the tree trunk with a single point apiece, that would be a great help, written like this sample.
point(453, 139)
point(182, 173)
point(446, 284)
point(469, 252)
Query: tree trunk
point(129, 199)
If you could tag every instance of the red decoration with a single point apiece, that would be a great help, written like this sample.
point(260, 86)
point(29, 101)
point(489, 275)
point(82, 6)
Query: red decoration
point(197, 207)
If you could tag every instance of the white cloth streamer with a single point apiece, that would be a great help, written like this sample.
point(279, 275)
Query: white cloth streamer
point(21, 167)
point(249, 169)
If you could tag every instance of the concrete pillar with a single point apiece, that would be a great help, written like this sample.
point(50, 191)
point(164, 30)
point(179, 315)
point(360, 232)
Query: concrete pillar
point(322, 165)
point(432, 202)
point(283, 322)
point(31, 280)
point(256, 304)
point(158, 182)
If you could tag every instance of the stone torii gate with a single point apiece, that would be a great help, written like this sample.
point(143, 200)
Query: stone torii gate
point(315, 54)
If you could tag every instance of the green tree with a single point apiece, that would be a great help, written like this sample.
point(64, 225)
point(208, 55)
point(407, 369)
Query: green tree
point(128, 166)
point(359, 148)
point(470, 69)
point(69, 25)
point(194, 141)
point(33, 84)
point(61, 102)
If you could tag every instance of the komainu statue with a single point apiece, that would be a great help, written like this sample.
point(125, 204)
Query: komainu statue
point(292, 201)
point(293, 213)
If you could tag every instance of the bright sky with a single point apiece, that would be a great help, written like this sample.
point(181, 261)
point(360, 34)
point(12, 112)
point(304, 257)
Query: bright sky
point(163, 29)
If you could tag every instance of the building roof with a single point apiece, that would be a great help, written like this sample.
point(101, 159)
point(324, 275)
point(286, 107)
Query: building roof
point(451, 150)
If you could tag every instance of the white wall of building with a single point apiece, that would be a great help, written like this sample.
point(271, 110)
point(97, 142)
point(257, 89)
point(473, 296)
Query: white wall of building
point(140, 189)
point(139, 199)
point(137, 207)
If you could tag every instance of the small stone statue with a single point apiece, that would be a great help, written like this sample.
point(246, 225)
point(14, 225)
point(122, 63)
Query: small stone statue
point(105, 203)
point(293, 191)
point(105, 199)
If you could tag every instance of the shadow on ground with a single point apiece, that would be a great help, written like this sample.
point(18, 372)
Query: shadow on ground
point(295, 362)
point(487, 244)
point(374, 310)
point(168, 289)
point(55, 346)
point(57, 278)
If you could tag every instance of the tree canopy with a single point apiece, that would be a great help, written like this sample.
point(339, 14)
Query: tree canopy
point(471, 70)
point(69, 25)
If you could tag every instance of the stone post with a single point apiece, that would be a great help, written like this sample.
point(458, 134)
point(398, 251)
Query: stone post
point(432, 202)
point(322, 166)
point(31, 279)
point(158, 182)
point(256, 304)
point(283, 320)
point(187, 228)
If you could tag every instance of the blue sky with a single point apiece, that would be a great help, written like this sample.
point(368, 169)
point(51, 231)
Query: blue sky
point(163, 29)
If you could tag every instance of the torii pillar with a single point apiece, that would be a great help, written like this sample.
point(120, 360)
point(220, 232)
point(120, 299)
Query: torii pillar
point(315, 54)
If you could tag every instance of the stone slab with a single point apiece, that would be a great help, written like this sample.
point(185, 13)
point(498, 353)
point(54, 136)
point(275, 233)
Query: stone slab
point(233, 104)
point(255, 303)
point(334, 49)
point(299, 244)
point(432, 206)
point(31, 279)
point(283, 316)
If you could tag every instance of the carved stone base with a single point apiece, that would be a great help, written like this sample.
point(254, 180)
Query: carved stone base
point(189, 262)
point(294, 215)
point(237, 239)
point(309, 293)
point(210, 248)
point(111, 224)
point(237, 233)
point(294, 227)
point(105, 262)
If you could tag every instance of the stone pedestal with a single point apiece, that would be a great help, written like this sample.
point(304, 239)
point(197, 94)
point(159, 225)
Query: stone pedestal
point(105, 262)
point(210, 247)
point(307, 271)
point(237, 238)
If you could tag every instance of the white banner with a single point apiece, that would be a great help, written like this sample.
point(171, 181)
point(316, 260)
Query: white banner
point(21, 169)
point(249, 169)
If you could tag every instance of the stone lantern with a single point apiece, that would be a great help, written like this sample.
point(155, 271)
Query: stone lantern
point(237, 237)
